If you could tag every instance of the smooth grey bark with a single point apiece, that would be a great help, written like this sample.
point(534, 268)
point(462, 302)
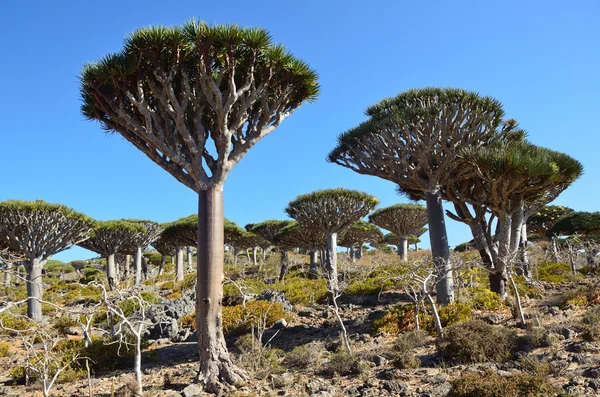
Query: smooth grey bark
point(313, 262)
point(499, 276)
point(352, 254)
point(523, 247)
point(235, 254)
point(440, 250)
point(359, 252)
point(517, 220)
point(189, 259)
point(172, 260)
point(215, 364)
point(7, 271)
point(284, 264)
point(138, 266)
point(331, 266)
point(403, 248)
point(161, 266)
point(254, 256)
point(127, 267)
point(35, 288)
point(179, 265)
point(111, 272)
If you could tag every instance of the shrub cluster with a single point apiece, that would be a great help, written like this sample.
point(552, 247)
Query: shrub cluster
point(491, 384)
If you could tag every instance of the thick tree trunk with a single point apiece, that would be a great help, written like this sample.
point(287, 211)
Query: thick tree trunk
point(359, 252)
point(439, 248)
point(216, 367)
point(179, 265)
point(138, 266)
point(525, 268)
point(35, 288)
point(322, 259)
point(235, 254)
point(126, 270)
point(499, 276)
point(403, 248)
point(161, 266)
point(284, 264)
point(254, 256)
point(7, 273)
point(111, 272)
point(137, 367)
point(172, 260)
point(352, 254)
point(189, 259)
point(313, 262)
point(516, 227)
point(332, 273)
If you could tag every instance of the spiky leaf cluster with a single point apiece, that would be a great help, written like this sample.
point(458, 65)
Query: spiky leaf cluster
point(268, 229)
point(110, 237)
point(585, 223)
point(37, 229)
point(295, 235)
point(244, 240)
point(359, 233)
point(331, 210)
point(414, 138)
point(400, 219)
point(152, 231)
point(172, 89)
point(519, 169)
point(542, 221)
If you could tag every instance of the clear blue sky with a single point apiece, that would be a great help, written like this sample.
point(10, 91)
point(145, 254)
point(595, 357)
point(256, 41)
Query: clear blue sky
point(540, 58)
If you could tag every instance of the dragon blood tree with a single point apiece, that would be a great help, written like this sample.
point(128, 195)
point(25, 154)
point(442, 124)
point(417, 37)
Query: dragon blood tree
point(195, 99)
point(413, 239)
point(243, 240)
point(109, 238)
point(267, 230)
point(358, 234)
point(180, 234)
point(296, 235)
point(512, 174)
point(403, 220)
point(36, 230)
point(330, 211)
point(141, 241)
point(165, 247)
point(413, 140)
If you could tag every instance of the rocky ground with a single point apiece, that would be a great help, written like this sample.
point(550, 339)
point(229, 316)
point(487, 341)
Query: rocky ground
point(170, 366)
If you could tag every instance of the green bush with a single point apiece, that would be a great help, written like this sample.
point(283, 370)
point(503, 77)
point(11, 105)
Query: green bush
point(90, 273)
point(482, 298)
point(304, 291)
point(16, 322)
point(344, 364)
point(590, 324)
point(369, 286)
point(403, 356)
point(62, 323)
point(398, 319)
point(476, 341)
point(555, 273)
point(490, 384)
point(57, 267)
point(304, 356)
point(4, 349)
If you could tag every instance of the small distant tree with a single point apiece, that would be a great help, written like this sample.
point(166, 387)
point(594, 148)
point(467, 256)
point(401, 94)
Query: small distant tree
point(402, 220)
point(141, 241)
point(330, 211)
point(107, 239)
point(267, 230)
point(246, 240)
point(181, 233)
point(299, 236)
point(414, 140)
point(413, 239)
point(195, 99)
point(584, 223)
point(36, 230)
point(358, 234)
point(165, 247)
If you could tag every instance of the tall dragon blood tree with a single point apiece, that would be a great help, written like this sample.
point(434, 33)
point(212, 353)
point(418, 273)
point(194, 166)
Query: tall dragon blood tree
point(165, 247)
point(403, 220)
point(195, 99)
point(358, 234)
point(299, 236)
point(141, 241)
point(267, 230)
point(330, 211)
point(36, 230)
point(179, 234)
point(109, 238)
point(413, 140)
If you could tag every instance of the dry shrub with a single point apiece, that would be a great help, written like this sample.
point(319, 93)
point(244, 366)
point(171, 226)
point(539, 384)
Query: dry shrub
point(491, 384)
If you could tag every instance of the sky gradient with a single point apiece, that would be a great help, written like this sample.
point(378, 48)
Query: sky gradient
point(541, 59)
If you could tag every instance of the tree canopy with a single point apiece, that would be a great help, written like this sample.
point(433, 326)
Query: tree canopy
point(586, 223)
point(359, 233)
point(542, 221)
point(401, 219)
point(331, 210)
point(171, 89)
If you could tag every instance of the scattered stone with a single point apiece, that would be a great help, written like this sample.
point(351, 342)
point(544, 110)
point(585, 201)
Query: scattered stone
point(193, 391)
point(494, 319)
point(379, 361)
point(554, 310)
point(594, 384)
point(276, 297)
point(568, 333)
point(396, 387)
point(73, 331)
point(283, 380)
point(307, 312)
point(279, 324)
